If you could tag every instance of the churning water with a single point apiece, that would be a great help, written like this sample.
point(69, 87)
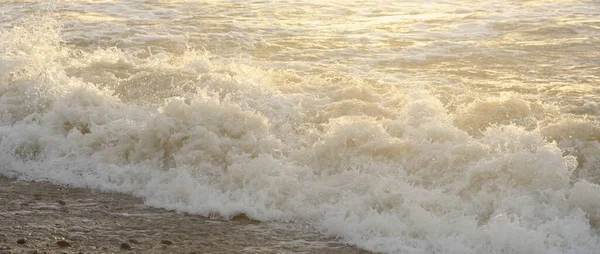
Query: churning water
point(397, 126)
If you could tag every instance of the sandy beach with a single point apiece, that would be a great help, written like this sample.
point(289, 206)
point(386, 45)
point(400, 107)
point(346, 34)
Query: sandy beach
point(40, 217)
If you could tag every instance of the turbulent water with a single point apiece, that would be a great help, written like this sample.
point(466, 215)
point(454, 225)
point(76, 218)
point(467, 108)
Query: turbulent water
point(396, 126)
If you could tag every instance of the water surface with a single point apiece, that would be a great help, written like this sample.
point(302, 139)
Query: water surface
point(396, 126)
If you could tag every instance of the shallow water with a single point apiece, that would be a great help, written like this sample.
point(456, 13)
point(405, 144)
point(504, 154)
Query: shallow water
point(93, 221)
point(397, 126)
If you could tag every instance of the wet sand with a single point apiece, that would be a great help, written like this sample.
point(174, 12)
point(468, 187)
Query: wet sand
point(39, 217)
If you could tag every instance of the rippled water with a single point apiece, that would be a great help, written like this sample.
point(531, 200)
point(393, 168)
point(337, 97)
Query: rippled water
point(397, 126)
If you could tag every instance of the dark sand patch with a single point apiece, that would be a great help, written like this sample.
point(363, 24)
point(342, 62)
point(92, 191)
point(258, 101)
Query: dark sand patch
point(47, 218)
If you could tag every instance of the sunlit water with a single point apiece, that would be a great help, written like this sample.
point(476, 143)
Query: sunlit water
point(396, 126)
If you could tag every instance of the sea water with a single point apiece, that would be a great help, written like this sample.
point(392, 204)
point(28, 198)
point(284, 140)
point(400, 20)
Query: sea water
point(395, 126)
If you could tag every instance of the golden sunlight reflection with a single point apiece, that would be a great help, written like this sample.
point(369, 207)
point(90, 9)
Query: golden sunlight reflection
point(368, 125)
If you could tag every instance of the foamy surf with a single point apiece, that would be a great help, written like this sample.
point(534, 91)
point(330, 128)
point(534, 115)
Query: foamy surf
point(387, 166)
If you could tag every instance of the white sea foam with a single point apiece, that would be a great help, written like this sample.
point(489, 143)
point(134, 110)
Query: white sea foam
point(390, 168)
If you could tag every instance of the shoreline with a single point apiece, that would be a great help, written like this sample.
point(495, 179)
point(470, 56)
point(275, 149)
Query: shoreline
point(38, 217)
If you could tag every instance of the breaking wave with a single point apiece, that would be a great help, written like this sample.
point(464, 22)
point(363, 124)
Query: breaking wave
point(388, 167)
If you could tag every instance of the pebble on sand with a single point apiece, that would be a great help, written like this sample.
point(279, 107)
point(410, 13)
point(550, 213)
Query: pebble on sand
point(243, 217)
point(166, 242)
point(240, 217)
point(22, 241)
point(63, 243)
point(125, 246)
